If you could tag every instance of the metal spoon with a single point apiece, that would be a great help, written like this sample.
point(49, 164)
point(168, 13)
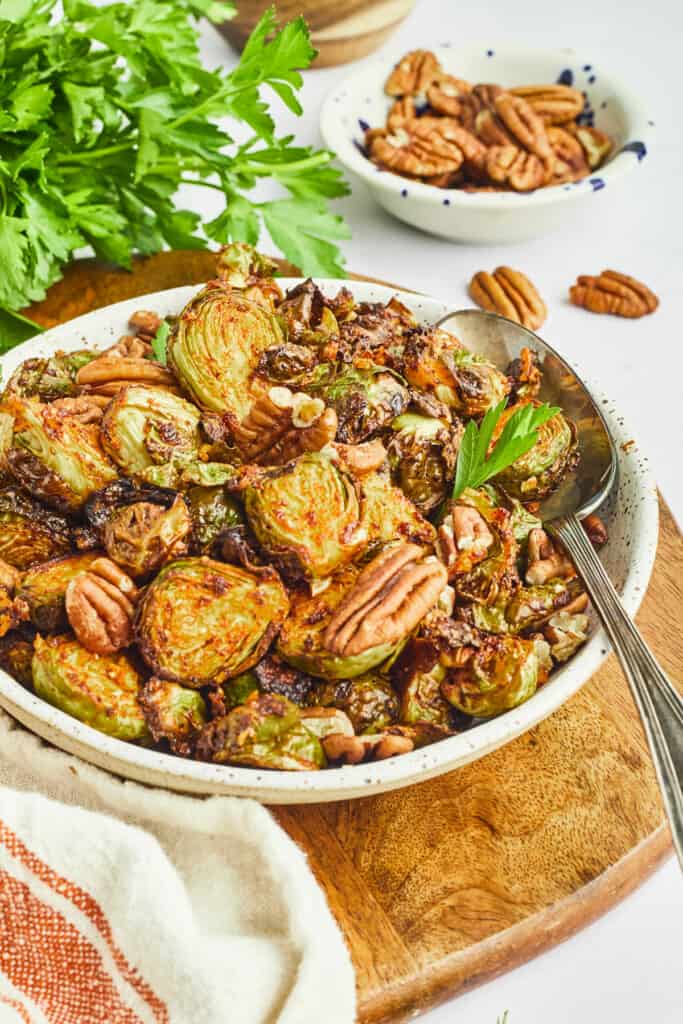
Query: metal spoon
point(660, 706)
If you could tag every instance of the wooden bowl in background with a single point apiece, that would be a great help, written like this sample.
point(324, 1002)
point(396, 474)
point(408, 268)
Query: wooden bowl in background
point(341, 30)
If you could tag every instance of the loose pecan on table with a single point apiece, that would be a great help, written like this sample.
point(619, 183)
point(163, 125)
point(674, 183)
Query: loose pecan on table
point(614, 293)
point(389, 598)
point(510, 293)
point(556, 104)
point(100, 605)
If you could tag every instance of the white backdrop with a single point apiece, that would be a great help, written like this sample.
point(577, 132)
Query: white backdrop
point(626, 968)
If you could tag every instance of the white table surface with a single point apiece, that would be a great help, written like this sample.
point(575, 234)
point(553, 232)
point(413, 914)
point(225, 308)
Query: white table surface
point(628, 967)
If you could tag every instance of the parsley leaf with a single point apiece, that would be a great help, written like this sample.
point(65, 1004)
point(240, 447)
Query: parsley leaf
point(159, 343)
point(518, 436)
point(107, 111)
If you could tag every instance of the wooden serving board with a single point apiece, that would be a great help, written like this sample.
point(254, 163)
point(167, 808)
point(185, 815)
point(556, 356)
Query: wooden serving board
point(444, 885)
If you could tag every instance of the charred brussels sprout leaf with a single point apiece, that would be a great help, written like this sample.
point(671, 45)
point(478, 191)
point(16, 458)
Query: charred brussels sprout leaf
point(51, 378)
point(422, 454)
point(273, 676)
point(16, 657)
point(212, 511)
point(43, 588)
point(368, 700)
point(29, 533)
point(101, 505)
point(217, 345)
point(143, 536)
point(237, 689)
point(530, 607)
point(417, 676)
point(389, 515)
point(56, 456)
point(173, 713)
point(145, 426)
point(98, 689)
point(201, 621)
point(502, 674)
point(288, 363)
point(365, 400)
point(265, 732)
point(306, 516)
point(324, 722)
point(300, 639)
point(306, 315)
point(533, 476)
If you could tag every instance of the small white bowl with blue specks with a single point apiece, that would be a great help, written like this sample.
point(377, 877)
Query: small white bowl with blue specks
point(489, 217)
point(632, 521)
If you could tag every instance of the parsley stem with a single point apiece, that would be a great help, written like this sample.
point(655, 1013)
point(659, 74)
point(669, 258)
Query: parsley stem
point(282, 170)
point(95, 154)
point(226, 93)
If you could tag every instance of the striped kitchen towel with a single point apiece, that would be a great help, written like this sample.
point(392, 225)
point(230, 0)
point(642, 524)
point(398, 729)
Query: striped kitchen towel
point(188, 911)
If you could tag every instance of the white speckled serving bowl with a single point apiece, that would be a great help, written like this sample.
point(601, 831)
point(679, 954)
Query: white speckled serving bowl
point(632, 519)
point(488, 217)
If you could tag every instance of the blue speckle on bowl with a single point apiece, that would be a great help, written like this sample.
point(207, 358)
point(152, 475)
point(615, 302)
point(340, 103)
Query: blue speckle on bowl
point(587, 67)
point(361, 149)
point(363, 124)
point(489, 53)
point(603, 104)
point(596, 183)
point(639, 148)
point(651, 124)
point(591, 79)
point(404, 192)
point(446, 202)
point(565, 77)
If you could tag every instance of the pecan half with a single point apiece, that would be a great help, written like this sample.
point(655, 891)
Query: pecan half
point(597, 145)
point(491, 130)
point(282, 424)
point(613, 293)
point(100, 605)
point(413, 74)
point(145, 324)
point(419, 151)
point(595, 529)
point(570, 158)
point(510, 293)
point(360, 459)
point(111, 371)
point(444, 96)
point(354, 749)
point(402, 113)
point(509, 165)
point(545, 560)
point(389, 598)
point(525, 125)
point(85, 408)
point(556, 104)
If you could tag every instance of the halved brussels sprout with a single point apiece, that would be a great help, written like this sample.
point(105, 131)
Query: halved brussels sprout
point(530, 607)
point(502, 674)
point(305, 516)
point(101, 690)
point(143, 536)
point(389, 515)
point(54, 455)
point(201, 621)
point(144, 426)
point(265, 732)
point(43, 588)
point(16, 656)
point(306, 315)
point(436, 362)
point(239, 688)
point(273, 676)
point(50, 378)
point(417, 676)
point(241, 266)
point(29, 533)
point(299, 642)
point(216, 346)
point(533, 476)
point(422, 455)
point(212, 511)
point(324, 722)
point(365, 400)
point(368, 700)
point(493, 579)
point(173, 713)
point(288, 363)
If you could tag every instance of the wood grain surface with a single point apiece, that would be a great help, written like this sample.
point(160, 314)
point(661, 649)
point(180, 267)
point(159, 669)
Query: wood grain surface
point(444, 885)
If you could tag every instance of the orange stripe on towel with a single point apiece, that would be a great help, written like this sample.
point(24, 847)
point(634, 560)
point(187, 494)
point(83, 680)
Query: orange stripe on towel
point(86, 903)
point(17, 1005)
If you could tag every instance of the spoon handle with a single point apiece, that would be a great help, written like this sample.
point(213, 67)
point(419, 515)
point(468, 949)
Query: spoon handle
point(660, 706)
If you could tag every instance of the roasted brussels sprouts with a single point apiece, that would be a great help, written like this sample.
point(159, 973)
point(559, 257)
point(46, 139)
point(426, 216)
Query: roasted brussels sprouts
point(486, 575)
point(101, 505)
point(273, 676)
point(212, 512)
point(145, 426)
point(533, 476)
point(50, 378)
point(502, 674)
point(241, 266)
point(417, 676)
point(265, 732)
point(306, 316)
point(389, 515)
point(173, 713)
point(16, 656)
point(305, 516)
point(54, 455)
point(530, 607)
point(565, 632)
point(368, 700)
point(143, 536)
point(300, 639)
point(422, 454)
point(365, 400)
point(99, 689)
point(43, 587)
point(288, 363)
point(324, 722)
point(216, 346)
point(201, 621)
point(236, 690)
point(29, 533)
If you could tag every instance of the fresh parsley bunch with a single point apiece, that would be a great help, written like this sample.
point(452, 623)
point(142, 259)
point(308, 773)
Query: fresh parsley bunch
point(105, 112)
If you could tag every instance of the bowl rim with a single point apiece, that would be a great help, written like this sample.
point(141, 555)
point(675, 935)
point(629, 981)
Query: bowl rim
point(336, 138)
point(166, 770)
